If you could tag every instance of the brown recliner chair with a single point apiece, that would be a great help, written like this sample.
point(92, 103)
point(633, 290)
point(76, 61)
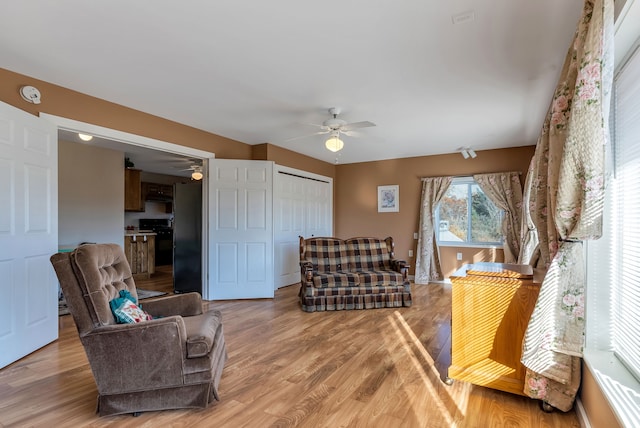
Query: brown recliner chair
point(172, 362)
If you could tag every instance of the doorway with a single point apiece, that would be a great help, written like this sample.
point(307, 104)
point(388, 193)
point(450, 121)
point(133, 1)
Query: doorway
point(164, 154)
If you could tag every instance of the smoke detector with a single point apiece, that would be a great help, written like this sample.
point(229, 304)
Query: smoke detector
point(30, 94)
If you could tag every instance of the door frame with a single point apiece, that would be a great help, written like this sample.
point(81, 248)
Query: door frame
point(153, 144)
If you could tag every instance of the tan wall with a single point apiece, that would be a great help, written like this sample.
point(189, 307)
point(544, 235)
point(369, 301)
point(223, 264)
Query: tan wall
point(595, 404)
point(291, 159)
point(357, 184)
point(450, 263)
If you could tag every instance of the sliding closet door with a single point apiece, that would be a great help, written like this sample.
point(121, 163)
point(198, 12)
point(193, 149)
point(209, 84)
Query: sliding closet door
point(303, 206)
point(319, 208)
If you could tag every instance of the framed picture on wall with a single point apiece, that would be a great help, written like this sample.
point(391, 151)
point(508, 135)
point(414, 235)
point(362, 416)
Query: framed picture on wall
point(388, 199)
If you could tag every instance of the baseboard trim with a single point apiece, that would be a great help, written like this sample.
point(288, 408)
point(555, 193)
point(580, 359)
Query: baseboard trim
point(582, 414)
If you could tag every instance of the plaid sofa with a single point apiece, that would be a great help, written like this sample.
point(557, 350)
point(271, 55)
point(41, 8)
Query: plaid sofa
point(356, 273)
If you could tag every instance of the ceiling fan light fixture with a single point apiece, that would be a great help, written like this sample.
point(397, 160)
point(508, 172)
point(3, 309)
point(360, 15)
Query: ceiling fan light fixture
point(85, 137)
point(334, 144)
point(197, 174)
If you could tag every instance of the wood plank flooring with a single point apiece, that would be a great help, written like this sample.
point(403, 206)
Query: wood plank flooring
point(288, 368)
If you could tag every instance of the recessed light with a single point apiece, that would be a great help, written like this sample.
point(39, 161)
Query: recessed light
point(85, 137)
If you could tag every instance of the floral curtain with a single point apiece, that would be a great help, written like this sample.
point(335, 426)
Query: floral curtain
point(505, 190)
point(566, 205)
point(427, 257)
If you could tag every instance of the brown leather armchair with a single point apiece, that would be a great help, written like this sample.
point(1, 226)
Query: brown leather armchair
point(173, 361)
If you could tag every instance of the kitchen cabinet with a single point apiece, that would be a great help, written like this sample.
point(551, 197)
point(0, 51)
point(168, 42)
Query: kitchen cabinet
point(140, 249)
point(491, 307)
point(132, 190)
point(157, 192)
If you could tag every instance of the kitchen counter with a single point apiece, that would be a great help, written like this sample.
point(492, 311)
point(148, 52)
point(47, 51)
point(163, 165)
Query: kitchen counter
point(139, 232)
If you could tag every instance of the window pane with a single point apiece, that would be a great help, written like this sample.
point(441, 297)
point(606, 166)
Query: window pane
point(485, 217)
point(465, 207)
point(454, 222)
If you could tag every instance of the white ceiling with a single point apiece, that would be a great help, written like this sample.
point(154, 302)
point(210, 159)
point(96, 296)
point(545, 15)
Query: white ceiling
point(258, 71)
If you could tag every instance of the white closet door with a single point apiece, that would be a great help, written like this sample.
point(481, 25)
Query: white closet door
point(303, 206)
point(289, 225)
point(28, 233)
point(319, 206)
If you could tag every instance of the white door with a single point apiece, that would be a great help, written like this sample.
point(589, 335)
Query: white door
point(319, 207)
point(240, 229)
point(28, 233)
point(289, 219)
point(303, 206)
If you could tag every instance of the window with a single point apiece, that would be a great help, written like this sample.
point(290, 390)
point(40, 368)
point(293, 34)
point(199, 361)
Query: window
point(466, 216)
point(613, 261)
point(625, 224)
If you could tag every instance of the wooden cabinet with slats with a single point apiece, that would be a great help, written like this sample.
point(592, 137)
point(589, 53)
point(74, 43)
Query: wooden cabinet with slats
point(140, 250)
point(491, 307)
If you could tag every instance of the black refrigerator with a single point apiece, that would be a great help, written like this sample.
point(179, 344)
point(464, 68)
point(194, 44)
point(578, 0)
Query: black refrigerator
point(187, 237)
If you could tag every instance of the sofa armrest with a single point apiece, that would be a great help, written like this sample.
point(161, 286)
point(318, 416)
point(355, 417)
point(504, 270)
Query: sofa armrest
point(132, 357)
point(306, 270)
point(186, 305)
point(401, 266)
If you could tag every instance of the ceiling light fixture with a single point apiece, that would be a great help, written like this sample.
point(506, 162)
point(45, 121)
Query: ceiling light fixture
point(197, 174)
point(85, 137)
point(334, 143)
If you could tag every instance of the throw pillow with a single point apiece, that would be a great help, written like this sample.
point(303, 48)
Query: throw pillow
point(126, 311)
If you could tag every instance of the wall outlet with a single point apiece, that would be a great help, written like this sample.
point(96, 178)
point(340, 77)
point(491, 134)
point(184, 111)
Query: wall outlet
point(410, 253)
point(415, 235)
point(459, 256)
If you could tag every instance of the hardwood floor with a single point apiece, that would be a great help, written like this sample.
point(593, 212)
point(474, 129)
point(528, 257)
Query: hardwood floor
point(371, 368)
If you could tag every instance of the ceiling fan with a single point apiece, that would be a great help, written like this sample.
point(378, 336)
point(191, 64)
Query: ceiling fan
point(334, 127)
point(195, 168)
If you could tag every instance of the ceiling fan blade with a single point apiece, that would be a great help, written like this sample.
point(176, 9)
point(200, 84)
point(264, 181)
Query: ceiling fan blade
point(316, 125)
point(356, 125)
point(309, 135)
point(352, 133)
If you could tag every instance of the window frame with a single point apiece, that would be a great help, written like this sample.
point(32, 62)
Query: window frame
point(469, 181)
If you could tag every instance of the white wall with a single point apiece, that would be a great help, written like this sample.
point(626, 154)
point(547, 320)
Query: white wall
point(90, 195)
